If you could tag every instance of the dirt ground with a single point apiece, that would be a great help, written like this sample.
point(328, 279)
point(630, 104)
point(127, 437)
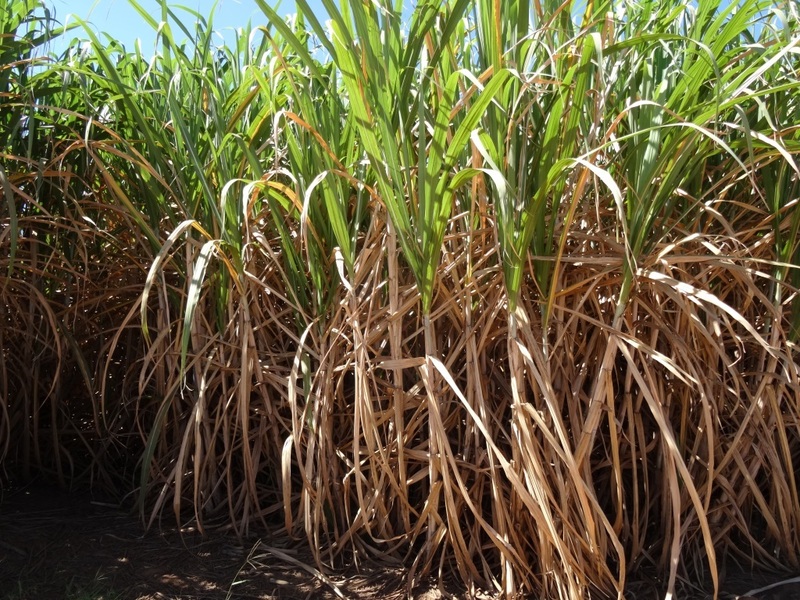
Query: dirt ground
point(60, 546)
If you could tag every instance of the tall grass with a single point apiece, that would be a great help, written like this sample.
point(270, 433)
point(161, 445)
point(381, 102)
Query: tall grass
point(504, 289)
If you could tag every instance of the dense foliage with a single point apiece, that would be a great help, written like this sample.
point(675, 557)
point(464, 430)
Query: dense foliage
point(509, 289)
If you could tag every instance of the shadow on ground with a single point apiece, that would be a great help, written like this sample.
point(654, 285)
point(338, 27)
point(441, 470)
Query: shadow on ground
point(57, 545)
point(62, 546)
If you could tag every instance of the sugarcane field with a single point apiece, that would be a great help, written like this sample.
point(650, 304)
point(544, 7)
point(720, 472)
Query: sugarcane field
point(487, 299)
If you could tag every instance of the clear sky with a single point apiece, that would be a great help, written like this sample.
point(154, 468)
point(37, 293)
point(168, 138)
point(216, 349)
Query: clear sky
point(122, 22)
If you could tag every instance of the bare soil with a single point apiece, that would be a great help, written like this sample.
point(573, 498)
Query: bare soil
point(67, 546)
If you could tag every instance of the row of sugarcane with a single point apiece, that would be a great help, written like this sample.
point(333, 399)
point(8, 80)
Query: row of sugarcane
point(506, 290)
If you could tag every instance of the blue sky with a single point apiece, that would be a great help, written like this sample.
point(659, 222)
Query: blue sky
point(122, 22)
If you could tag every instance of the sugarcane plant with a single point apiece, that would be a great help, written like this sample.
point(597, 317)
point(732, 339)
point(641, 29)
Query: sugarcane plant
point(501, 289)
